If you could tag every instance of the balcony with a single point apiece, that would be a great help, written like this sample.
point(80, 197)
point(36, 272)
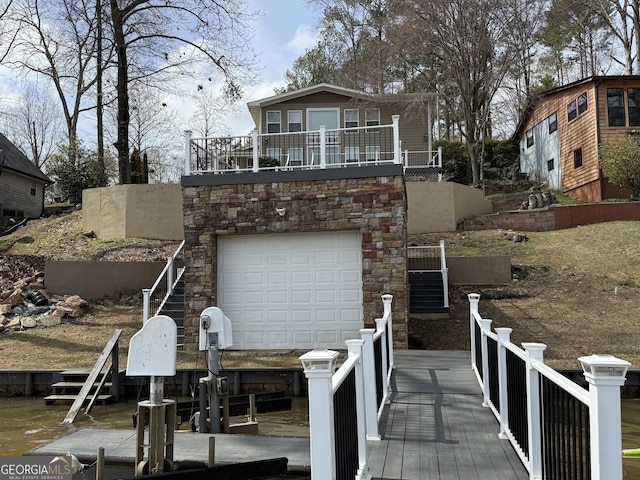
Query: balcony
point(308, 150)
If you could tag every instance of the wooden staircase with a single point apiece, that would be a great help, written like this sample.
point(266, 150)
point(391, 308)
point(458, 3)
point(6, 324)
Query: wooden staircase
point(84, 387)
point(174, 308)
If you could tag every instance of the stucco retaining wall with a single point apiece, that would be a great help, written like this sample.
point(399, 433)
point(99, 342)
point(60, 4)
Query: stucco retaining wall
point(440, 206)
point(374, 205)
point(100, 279)
point(479, 270)
point(134, 211)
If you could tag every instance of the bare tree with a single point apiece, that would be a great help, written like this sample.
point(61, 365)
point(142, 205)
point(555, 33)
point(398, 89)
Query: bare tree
point(58, 41)
point(206, 121)
point(34, 124)
point(469, 40)
point(8, 29)
point(151, 38)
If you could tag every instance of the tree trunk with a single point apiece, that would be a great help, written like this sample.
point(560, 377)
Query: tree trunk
point(122, 142)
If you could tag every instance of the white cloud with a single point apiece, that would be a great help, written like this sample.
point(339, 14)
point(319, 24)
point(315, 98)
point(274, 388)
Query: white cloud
point(304, 38)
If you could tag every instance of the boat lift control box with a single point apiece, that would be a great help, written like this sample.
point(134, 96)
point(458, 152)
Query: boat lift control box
point(212, 319)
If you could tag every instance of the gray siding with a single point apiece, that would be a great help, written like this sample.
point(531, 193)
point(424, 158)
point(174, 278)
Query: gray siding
point(534, 159)
point(15, 194)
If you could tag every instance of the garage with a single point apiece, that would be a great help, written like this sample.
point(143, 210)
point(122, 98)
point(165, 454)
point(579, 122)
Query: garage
point(293, 290)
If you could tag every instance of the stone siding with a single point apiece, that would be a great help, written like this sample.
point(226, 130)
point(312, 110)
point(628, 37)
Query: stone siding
point(374, 205)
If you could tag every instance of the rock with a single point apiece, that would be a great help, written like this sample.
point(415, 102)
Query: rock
point(5, 294)
point(5, 309)
point(50, 321)
point(3, 320)
point(28, 322)
point(14, 299)
point(76, 301)
point(89, 234)
point(35, 285)
point(14, 324)
point(61, 311)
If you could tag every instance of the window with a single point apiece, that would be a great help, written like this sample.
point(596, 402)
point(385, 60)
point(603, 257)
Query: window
point(553, 122)
point(571, 111)
point(529, 138)
point(295, 120)
point(577, 158)
point(550, 165)
point(273, 122)
point(372, 118)
point(33, 188)
point(582, 103)
point(351, 119)
point(351, 154)
point(615, 107)
point(274, 153)
point(295, 157)
point(633, 105)
point(373, 153)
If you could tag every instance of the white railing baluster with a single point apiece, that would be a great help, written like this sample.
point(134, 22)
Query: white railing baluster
point(397, 157)
point(187, 152)
point(474, 299)
point(504, 335)
point(255, 151)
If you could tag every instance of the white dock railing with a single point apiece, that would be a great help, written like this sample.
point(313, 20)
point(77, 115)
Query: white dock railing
point(345, 406)
point(558, 428)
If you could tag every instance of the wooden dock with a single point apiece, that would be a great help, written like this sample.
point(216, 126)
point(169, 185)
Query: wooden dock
point(435, 428)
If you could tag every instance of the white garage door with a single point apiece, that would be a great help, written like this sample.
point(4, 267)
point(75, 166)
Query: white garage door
point(300, 290)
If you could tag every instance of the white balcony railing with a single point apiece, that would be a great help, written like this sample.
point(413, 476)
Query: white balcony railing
point(318, 149)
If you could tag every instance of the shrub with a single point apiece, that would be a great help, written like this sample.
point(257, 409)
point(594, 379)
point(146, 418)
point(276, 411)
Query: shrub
point(620, 163)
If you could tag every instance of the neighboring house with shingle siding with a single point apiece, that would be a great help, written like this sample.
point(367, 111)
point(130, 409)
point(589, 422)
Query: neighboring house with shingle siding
point(22, 184)
point(562, 128)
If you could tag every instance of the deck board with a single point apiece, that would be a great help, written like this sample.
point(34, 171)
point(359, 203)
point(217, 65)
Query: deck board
point(434, 428)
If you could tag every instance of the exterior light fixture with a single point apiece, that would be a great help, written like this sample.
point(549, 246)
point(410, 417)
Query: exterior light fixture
point(319, 360)
point(604, 366)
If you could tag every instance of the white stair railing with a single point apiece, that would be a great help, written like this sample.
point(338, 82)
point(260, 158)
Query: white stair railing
point(155, 297)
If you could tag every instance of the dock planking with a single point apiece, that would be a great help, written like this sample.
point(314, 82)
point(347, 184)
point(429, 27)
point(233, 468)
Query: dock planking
point(435, 427)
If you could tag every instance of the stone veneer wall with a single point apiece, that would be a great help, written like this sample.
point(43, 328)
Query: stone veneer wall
point(375, 205)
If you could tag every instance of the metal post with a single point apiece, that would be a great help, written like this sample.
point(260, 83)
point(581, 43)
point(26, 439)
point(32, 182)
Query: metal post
point(381, 325)
point(503, 338)
point(534, 352)
point(397, 157)
point(387, 298)
point(445, 275)
point(474, 299)
point(485, 326)
point(100, 464)
point(256, 151)
point(354, 348)
point(605, 374)
point(169, 275)
point(156, 388)
point(187, 152)
point(318, 368)
point(145, 305)
point(369, 374)
point(214, 400)
point(323, 147)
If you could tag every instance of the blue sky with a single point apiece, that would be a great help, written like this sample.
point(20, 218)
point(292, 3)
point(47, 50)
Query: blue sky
point(284, 30)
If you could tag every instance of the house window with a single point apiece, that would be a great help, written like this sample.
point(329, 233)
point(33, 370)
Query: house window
point(295, 157)
point(372, 118)
point(351, 154)
point(615, 107)
point(550, 165)
point(33, 188)
point(529, 138)
point(577, 158)
point(274, 153)
point(633, 105)
point(273, 122)
point(351, 119)
point(572, 111)
point(295, 120)
point(582, 103)
point(553, 122)
point(372, 153)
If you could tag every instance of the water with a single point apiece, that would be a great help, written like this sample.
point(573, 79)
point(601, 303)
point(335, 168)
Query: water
point(26, 423)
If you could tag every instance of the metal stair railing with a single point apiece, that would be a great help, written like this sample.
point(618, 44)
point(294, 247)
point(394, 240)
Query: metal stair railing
point(154, 298)
point(430, 259)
